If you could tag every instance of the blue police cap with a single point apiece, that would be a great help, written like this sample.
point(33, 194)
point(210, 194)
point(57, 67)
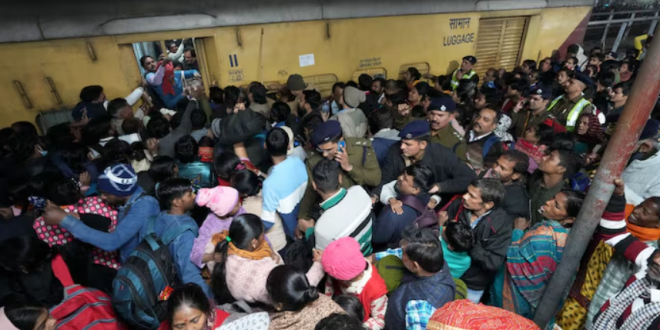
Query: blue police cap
point(325, 132)
point(544, 92)
point(444, 103)
point(650, 130)
point(415, 129)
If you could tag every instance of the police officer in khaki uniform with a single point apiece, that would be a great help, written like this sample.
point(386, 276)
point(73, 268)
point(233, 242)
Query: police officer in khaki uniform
point(440, 114)
point(355, 156)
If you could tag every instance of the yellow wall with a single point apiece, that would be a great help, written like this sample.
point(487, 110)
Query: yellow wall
point(392, 41)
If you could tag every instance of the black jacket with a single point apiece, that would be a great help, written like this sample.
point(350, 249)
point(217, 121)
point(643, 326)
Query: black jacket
point(452, 175)
point(492, 239)
point(516, 202)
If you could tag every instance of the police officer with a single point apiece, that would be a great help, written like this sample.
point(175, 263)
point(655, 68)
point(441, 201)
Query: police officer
point(355, 156)
point(440, 115)
point(451, 174)
point(464, 72)
point(568, 107)
point(534, 113)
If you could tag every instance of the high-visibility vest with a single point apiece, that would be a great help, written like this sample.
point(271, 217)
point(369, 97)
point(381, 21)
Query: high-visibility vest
point(455, 81)
point(573, 114)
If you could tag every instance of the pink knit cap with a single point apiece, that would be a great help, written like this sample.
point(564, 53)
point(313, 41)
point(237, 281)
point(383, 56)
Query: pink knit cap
point(343, 260)
point(221, 200)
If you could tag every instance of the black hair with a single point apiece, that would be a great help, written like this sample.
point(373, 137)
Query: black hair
point(189, 295)
point(277, 142)
point(424, 248)
point(498, 114)
point(313, 98)
point(351, 305)
point(143, 60)
point(364, 82)
point(600, 57)
point(216, 94)
point(545, 134)
point(571, 161)
point(521, 86)
point(326, 175)
point(177, 64)
point(280, 111)
point(606, 79)
point(593, 69)
point(575, 60)
point(530, 63)
point(339, 321)
point(351, 83)
point(520, 158)
point(22, 313)
point(232, 94)
point(310, 122)
point(246, 182)
point(59, 137)
point(259, 93)
point(414, 73)
point(459, 236)
point(75, 156)
point(424, 178)
point(23, 253)
point(289, 286)
point(574, 201)
point(115, 105)
point(172, 189)
point(198, 119)
point(422, 89)
point(206, 141)
point(22, 145)
point(115, 152)
point(380, 119)
point(397, 98)
point(225, 164)
point(625, 87)
point(492, 190)
point(338, 84)
point(90, 93)
point(243, 229)
point(131, 126)
point(158, 127)
point(137, 153)
point(191, 50)
point(162, 168)
point(97, 128)
point(64, 191)
point(186, 149)
point(563, 141)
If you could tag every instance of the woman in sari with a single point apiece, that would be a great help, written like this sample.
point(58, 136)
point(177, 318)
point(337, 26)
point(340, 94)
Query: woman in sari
point(533, 255)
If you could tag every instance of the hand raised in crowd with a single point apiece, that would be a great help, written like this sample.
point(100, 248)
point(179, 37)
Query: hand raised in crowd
point(396, 206)
point(435, 189)
point(275, 257)
point(619, 187)
point(342, 159)
point(318, 255)
point(6, 213)
point(521, 223)
point(432, 203)
point(303, 225)
point(520, 105)
point(152, 146)
point(53, 214)
point(404, 109)
point(197, 75)
point(239, 107)
point(197, 92)
point(443, 217)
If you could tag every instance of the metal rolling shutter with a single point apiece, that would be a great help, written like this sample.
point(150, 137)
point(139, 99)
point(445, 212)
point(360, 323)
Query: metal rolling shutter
point(499, 43)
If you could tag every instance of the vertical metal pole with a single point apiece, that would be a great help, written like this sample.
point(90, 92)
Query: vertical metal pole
point(654, 23)
point(619, 37)
point(629, 26)
point(607, 28)
point(642, 99)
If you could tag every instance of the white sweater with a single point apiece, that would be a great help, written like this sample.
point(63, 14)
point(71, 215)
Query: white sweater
point(641, 179)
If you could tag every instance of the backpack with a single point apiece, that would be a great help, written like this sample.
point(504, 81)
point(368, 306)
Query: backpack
point(489, 143)
point(145, 281)
point(82, 308)
point(427, 217)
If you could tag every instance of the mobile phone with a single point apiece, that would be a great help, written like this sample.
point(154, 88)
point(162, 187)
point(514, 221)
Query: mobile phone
point(341, 144)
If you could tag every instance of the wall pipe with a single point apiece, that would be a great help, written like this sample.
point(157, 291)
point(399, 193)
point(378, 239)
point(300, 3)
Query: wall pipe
point(642, 99)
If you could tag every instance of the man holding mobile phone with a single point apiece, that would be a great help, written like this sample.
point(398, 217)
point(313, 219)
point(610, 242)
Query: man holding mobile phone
point(355, 157)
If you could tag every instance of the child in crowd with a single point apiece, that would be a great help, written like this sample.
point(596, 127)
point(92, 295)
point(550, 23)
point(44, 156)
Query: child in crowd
point(351, 305)
point(534, 144)
point(243, 261)
point(351, 274)
point(456, 239)
point(224, 204)
point(177, 229)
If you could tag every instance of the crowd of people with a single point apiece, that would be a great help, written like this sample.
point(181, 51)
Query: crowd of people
point(430, 202)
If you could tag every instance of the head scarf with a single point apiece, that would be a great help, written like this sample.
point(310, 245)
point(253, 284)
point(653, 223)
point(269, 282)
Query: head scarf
point(595, 134)
point(261, 252)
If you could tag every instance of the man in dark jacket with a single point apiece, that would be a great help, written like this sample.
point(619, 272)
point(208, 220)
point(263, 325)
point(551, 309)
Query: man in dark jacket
point(510, 169)
point(484, 147)
point(452, 176)
point(481, 209)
